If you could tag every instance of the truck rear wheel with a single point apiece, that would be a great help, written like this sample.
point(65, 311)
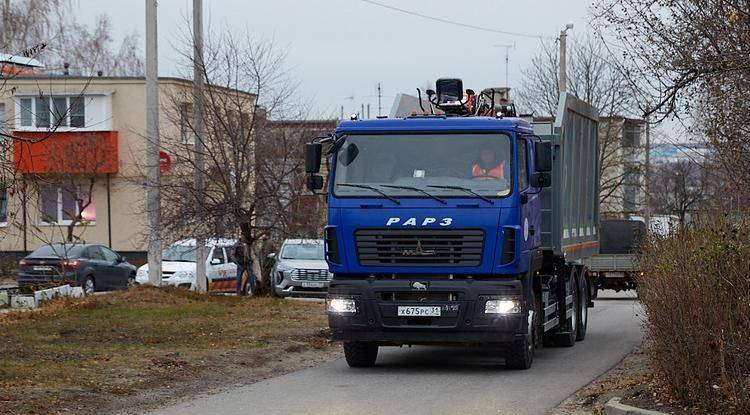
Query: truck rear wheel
point(567, 335)
point(583, 306)
point(521, 353)
point(360, 354)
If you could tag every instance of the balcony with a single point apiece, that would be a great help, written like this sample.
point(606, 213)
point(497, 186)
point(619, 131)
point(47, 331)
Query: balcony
point(89, 152)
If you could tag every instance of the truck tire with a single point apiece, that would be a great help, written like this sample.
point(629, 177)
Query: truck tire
point(521, 353)
point(566, 337)
point(583, 306)
point(360, 354)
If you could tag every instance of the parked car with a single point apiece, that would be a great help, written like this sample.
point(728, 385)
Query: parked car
point(178, 266)
point(300, 269)
point(93, 267)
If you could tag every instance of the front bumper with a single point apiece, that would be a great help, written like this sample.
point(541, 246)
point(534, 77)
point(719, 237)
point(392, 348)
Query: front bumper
point(462, 319)
point(169, 281)
point(287, 286)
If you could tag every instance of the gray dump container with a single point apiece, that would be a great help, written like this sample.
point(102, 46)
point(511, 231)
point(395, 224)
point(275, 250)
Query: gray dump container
point(570, 207)
point(619, 236)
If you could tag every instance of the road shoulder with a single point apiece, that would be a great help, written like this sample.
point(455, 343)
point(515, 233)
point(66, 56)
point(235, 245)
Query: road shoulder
point(633, 381)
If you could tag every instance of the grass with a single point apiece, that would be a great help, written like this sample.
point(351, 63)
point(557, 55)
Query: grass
point(121, 343)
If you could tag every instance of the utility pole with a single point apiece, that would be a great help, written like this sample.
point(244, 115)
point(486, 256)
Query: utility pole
point(153, 179)
point(507, 60)
point(362, 112)
point(380, 95)
point(342, 113)
point(562, 77)
point(368, 110)
point(198, 121)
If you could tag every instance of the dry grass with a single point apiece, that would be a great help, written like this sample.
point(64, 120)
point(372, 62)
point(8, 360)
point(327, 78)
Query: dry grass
point(696, 293)
point(121, 343)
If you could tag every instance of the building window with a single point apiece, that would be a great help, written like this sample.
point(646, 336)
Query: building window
point(523, 173)
point(186, 116)
point(631, 187)
point(631, 135)
point(41, 112)
point(3, 127)
point(3, 205)
point(77, 112)
point(58, 111)
point(62, 205)
point(26, 112)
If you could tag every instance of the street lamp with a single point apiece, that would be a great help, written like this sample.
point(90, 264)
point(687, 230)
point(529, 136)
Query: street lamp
point(563, 84)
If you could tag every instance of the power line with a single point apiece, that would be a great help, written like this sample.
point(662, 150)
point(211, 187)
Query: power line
point(466, 25)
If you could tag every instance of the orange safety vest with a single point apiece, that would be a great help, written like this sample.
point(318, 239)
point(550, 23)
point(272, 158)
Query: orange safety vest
point(493, 173)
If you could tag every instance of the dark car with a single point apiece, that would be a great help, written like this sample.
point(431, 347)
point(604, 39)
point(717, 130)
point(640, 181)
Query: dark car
point(93, 267)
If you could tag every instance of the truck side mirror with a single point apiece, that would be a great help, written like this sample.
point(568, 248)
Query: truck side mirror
point(314, 182)
point(541, 179)
point(313, 155)
point(543, 156)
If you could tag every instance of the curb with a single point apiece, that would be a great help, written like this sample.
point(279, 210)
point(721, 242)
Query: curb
point(615, 407)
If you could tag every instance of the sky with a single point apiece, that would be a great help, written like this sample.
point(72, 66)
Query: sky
point(339, 50)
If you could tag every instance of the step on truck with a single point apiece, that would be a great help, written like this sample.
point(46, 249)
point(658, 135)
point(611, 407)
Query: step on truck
point(459, 224)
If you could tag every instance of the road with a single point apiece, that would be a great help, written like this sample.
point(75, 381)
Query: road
point(440, 380)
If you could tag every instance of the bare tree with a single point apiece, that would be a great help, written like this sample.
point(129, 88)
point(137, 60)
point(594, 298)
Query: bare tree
point(52, 24)
point(593, 77)
point(678, 189)
point(247, 91)
point(690, 59)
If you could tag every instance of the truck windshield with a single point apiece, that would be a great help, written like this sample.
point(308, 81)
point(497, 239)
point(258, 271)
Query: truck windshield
point(437, 163)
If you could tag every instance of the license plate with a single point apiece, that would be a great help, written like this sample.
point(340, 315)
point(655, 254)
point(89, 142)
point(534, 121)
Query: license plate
point(313, 285)
point(42, 268)
point(615, 275)
point(418, 311)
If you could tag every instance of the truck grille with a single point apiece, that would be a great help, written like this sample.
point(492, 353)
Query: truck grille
point(420, 247)
point(310, 275)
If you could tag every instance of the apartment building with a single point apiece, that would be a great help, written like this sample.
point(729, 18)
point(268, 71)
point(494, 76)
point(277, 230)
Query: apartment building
point(76, 160)
point(622, 147)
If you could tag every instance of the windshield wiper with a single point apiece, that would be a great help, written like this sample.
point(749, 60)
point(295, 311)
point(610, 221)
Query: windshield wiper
point(465, 189)
point(416, 189)
point(373, 188)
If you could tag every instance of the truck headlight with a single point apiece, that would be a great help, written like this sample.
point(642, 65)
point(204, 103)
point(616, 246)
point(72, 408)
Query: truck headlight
point(341, 306)
point(502, 306)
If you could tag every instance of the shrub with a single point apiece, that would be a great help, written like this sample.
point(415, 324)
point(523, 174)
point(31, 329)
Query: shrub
point(696, 294)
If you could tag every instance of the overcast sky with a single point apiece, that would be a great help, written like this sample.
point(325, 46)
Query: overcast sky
point(340, 49)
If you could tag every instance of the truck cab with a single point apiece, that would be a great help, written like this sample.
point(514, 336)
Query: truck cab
point(434, 236)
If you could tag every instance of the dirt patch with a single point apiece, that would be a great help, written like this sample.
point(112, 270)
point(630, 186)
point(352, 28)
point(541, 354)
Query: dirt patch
point(634, 381)
point(146, 347)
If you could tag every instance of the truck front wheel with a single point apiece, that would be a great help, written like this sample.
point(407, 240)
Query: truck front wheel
point(521, 353)
point(360, 354)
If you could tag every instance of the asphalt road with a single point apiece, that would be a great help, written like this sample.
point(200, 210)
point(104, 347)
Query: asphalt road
point(441, 380)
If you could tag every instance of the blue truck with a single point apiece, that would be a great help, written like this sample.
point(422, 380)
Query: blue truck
point(460, 224)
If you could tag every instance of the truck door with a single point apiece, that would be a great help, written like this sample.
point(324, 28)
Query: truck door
point(530, 198)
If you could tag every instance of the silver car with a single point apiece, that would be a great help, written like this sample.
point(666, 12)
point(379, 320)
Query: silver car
point(300, 269)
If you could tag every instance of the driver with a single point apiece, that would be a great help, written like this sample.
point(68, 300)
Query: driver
point(489, 166)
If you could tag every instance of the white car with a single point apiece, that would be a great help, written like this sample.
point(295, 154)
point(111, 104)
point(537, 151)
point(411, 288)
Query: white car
point(301, 269)
point(178, 266)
